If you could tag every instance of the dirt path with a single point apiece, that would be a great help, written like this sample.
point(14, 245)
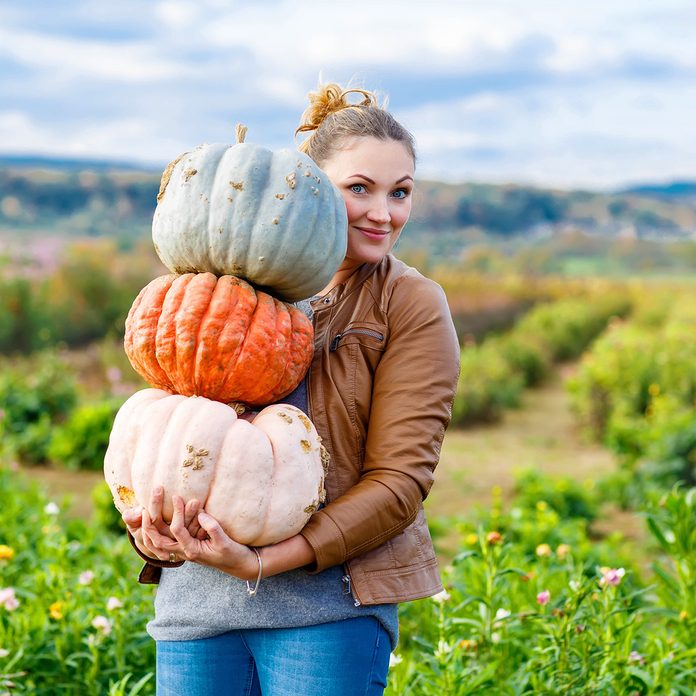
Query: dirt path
point(542, 434)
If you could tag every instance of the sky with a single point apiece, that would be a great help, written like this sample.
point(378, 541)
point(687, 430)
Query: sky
point(597, 95)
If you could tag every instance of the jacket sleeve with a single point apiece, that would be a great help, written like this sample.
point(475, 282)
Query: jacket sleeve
point(413, 390)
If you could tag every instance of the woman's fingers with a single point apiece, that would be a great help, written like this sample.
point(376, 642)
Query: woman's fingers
point(133, 517)
point(191, 517)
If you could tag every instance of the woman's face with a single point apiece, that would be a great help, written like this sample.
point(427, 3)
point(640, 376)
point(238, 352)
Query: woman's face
point(375, 178)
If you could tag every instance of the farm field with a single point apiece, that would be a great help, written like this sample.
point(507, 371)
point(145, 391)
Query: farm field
point(564, 512)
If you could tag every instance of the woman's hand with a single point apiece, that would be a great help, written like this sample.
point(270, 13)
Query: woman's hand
point(133, 518)
point(217, 550)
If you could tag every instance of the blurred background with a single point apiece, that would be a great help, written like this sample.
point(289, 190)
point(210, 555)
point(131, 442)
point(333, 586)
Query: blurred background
point(555, 203)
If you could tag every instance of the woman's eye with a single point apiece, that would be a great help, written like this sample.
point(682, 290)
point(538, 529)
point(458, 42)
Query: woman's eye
point(400, 193)
point(357, 188)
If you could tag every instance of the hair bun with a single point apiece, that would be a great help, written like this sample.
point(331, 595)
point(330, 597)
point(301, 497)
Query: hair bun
point(329, 99)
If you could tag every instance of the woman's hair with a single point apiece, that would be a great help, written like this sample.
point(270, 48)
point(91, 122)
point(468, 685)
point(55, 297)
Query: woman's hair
point(333, 120)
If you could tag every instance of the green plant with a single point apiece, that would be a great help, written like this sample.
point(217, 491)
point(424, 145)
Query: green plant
point(81, 441)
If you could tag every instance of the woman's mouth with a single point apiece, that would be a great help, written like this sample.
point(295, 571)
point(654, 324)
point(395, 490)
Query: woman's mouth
point(373, 233)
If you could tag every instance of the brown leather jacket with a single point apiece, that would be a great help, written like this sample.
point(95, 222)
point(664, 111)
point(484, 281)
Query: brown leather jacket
point(381, 385)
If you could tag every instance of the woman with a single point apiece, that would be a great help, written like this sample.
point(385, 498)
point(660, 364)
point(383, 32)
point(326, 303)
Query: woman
point(379, 392)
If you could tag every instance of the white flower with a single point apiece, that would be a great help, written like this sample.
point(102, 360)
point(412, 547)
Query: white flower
point(501, 614)
point(574, 585)
point(395, 660)
point(495, 637)
point(441, 597)
point(74, 545)
point(51, 509)
point(114, 603)
point(101, 623)
point(4, 653)
point(443, 648)
point(86, 577)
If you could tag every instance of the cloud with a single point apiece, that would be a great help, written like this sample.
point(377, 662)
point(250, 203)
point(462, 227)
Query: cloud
point(494, 90)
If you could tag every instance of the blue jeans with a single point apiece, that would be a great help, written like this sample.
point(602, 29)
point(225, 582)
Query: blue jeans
point(343, 658)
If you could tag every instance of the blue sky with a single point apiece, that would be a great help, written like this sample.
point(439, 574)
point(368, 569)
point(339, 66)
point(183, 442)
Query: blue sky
point(592, 94)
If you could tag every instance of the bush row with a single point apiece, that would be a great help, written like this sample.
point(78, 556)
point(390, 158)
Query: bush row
point(43, 416)
point(494, 373)
point(635, 391)
point(85, 297)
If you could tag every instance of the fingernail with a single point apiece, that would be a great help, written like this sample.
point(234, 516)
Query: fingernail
point(158, 490)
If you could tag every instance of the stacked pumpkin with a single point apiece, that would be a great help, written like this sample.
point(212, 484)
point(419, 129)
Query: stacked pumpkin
point(244, 231)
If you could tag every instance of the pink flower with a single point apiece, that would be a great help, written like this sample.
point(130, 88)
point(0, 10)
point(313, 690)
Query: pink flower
point(114, 603)
point(8, 599)
point(86, 577)
point(543, 597)
point(611, 576)
point(102, 624)
point(635, 656)
point(113, 374)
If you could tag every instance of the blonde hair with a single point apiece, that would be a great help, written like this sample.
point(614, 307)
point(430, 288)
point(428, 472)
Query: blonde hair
point(332, 119)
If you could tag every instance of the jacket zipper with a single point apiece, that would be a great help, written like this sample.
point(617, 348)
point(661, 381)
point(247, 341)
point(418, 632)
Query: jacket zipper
point(364, 332)
point(349, 589)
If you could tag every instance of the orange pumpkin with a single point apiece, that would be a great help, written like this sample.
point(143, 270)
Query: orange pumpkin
point(199, 335)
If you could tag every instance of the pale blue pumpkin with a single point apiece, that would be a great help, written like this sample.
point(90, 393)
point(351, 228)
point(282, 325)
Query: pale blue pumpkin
point(270, 217)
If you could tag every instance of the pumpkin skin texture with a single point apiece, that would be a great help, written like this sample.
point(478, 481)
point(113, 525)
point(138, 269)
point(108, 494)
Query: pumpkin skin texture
point(261, 480)
point(196, 334)
point(272, 218)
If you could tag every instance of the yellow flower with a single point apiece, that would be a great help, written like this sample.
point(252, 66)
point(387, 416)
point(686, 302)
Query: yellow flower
point(683, 615)
point(542, 506)
point(56, 610)
point(562, 551)
point(543, 550)
point(654, 390)
point(6, 553)
point(471, 539)
point(467, 644)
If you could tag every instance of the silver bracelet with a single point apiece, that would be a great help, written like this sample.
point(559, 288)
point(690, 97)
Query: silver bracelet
point(251, 591)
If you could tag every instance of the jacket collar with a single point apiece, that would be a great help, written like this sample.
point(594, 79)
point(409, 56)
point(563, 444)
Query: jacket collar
point(347, 288)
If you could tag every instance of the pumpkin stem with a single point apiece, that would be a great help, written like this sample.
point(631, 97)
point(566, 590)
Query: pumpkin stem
point(238, 406)
point(241, 132)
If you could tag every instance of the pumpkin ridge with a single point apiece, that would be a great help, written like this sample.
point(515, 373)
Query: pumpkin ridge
point(255, 358)
point(189, 321)
point(165, 340)
point(234, 384)
point(143, 332)
point(297, 343)
point(211, 355)
point(301, 352)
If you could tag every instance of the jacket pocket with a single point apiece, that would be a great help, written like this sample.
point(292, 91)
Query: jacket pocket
point(366, 334)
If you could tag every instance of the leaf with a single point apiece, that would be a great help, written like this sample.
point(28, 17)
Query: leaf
point(665, 577)
point(642, 676)
point(657, 533)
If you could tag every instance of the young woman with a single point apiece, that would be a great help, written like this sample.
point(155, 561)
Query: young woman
point(317, 613)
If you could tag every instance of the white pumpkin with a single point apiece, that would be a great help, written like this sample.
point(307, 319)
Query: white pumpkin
point(261, 480)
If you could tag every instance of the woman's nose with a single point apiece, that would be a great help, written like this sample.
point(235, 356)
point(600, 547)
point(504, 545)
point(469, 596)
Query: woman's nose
point(379, 212)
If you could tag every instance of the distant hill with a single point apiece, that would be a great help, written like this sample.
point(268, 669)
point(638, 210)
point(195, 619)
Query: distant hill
point(107, 198)
point(675, 189)
point(71, 164)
